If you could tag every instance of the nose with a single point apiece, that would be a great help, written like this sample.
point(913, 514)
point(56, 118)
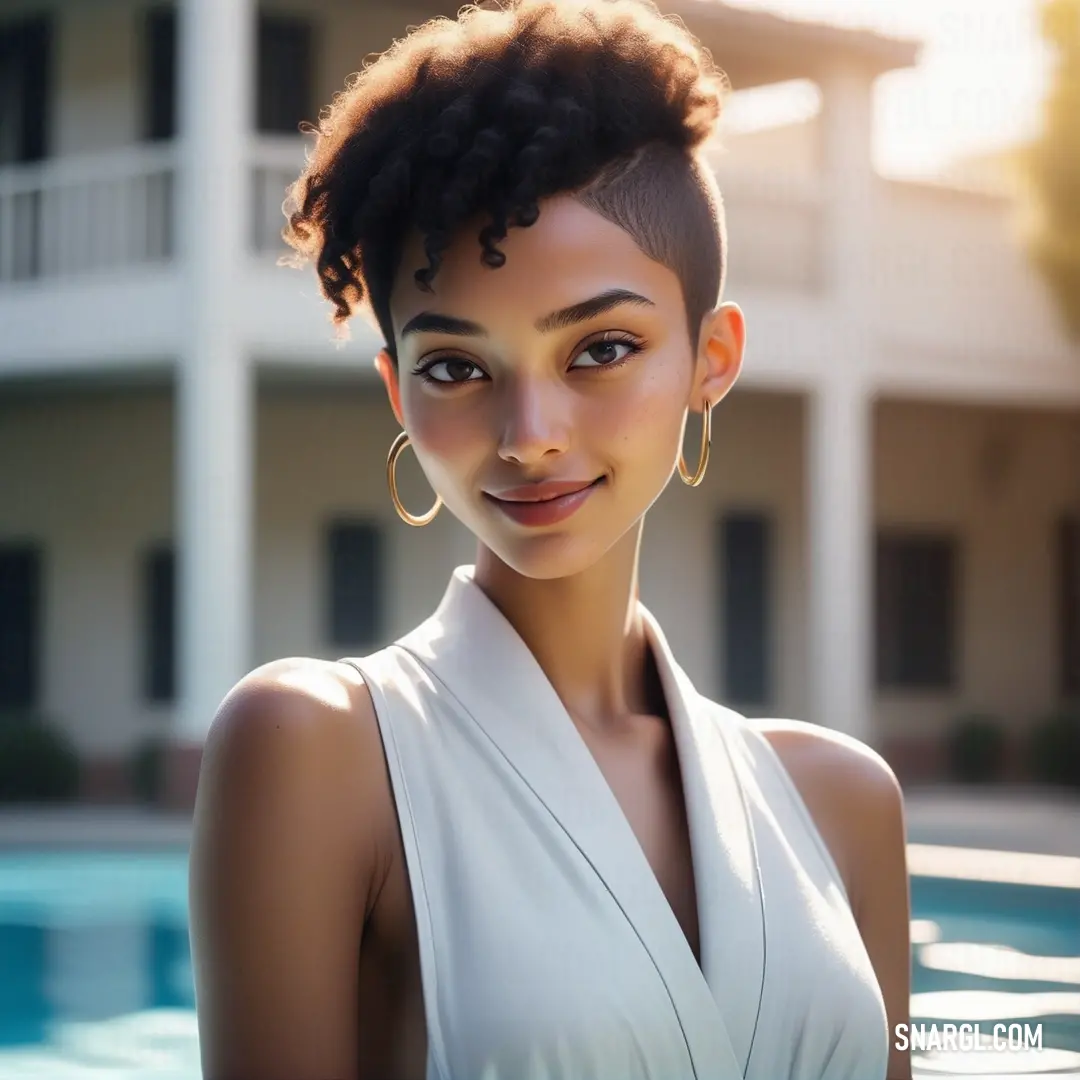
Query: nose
point(537, 421)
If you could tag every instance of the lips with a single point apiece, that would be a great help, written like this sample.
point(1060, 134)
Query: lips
point(540, 492)
point(545, 503)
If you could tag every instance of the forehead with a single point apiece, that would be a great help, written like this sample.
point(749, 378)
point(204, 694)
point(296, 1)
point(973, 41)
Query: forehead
point(569, 254)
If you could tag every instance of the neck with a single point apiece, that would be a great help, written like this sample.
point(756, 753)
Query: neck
point(585, 632)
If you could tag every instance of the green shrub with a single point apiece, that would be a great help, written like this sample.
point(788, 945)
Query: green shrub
point(147, 769)
point(1054, 749)
point(976, 749)
point(38, 763)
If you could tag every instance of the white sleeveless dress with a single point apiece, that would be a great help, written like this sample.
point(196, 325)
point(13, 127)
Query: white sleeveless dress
point(548, 950)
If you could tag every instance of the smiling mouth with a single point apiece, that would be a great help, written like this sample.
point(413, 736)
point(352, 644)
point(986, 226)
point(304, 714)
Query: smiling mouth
point(546, 503)
point(545, 491)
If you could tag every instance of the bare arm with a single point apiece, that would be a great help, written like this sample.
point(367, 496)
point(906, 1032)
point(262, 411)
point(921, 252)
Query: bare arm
point(857, 805)
point(882, 906)
point(283, 873)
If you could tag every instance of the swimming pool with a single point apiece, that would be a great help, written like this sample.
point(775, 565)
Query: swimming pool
point(96, 977)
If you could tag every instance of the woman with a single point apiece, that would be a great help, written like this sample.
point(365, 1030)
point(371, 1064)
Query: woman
point(518, 843)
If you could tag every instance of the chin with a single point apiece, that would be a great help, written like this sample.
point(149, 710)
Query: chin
point(548, 556)
point(562, 551)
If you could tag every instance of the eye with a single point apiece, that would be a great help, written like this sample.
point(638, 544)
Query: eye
point(606, 353)
point(450, 370)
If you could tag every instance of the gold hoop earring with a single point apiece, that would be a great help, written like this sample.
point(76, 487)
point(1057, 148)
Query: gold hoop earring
point(703, 456)
point(396, 448)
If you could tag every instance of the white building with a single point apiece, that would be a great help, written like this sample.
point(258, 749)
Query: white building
point(882, 541)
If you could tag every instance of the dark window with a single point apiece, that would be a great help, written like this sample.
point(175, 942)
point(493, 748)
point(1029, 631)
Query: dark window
point(160, 73)
point(1069, 578)
point(159, 623)
point(20, 625)
point(25, 111)
point(355, 595)
point(915, 604)
point(25, 89)
point(284, 90)
point(745, 559)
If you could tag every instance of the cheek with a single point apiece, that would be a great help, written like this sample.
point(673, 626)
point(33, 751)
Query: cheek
point(447, 435)
point(646, 420)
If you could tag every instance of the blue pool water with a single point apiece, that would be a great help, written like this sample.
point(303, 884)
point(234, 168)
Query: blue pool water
point(991, 953)
point(95, 975)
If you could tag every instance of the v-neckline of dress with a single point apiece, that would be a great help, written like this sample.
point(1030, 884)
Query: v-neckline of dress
point(481, 660)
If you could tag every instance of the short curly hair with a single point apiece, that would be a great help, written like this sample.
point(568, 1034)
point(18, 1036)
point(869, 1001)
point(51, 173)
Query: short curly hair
point(487, 114)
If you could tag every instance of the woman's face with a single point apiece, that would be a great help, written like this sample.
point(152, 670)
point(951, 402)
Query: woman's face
point(546, 399)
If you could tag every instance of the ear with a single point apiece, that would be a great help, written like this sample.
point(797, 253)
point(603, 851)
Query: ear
point(721, 344)
point(387, 370)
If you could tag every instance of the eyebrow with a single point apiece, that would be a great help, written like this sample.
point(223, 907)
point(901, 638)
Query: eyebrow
point(432, 323)
point(587, 309)
point(428, 322)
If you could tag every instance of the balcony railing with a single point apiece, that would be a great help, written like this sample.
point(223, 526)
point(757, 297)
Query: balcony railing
point(81, 215)
point(276, 163)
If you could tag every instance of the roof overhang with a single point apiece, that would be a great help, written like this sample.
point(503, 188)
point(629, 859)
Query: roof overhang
point(757, 48)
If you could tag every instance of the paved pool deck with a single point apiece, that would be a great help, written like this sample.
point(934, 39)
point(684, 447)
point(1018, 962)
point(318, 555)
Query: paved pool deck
point(1041, 821)
point(1008, 819)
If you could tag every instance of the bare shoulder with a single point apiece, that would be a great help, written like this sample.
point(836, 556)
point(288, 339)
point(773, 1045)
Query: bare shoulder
point(817, 755)
point(294, 751)
point(850, 790)
point(297, 728)
point(288, 853)
point(298, 706)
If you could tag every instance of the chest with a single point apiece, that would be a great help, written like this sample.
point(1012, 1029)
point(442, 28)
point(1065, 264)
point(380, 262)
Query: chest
point(536, 879)
point(642, 770)
point(528, 941)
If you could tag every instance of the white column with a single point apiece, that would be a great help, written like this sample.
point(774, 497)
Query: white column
point(840, 442)
point(215, 421)
point(848, 184)
point(840, 567)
